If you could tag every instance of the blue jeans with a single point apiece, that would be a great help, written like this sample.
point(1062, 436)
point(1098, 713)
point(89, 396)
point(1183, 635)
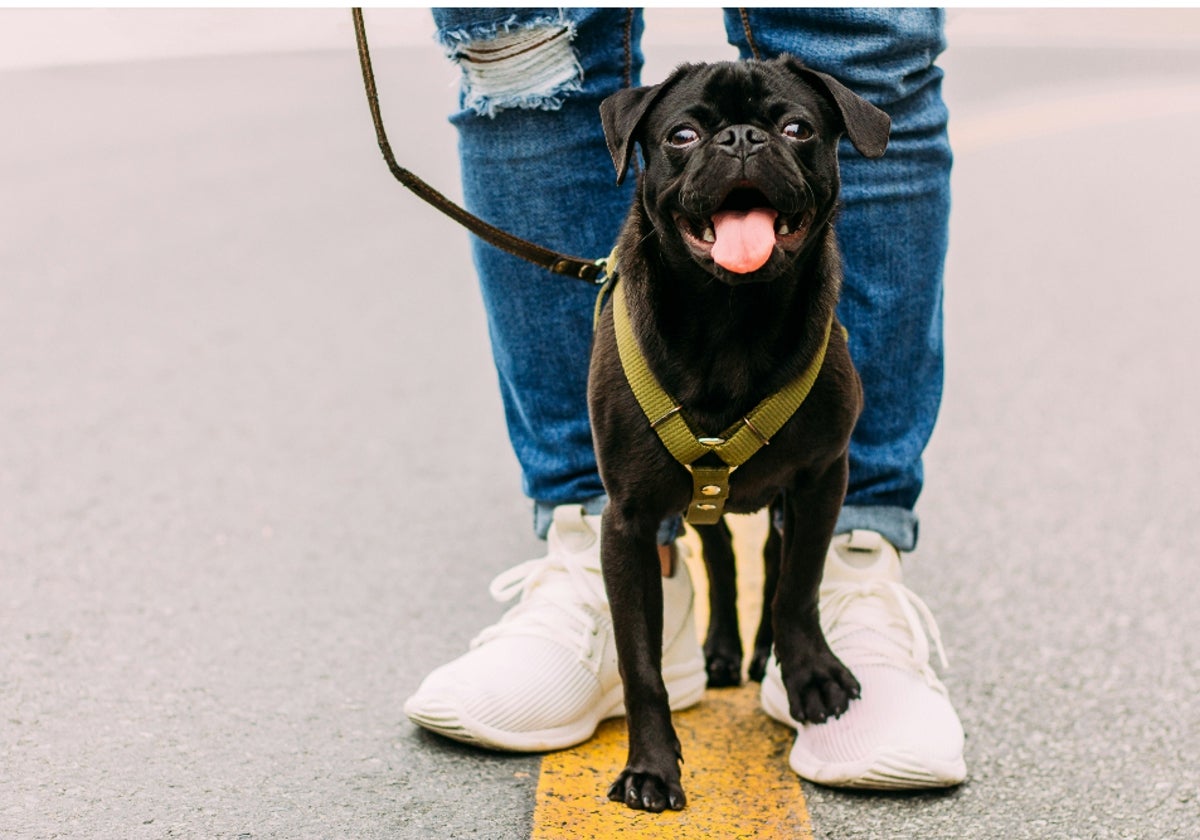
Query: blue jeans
point(534, 162)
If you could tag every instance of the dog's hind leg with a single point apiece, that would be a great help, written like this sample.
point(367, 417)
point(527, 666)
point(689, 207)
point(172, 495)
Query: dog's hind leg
point(723, 641)
point(772, 556)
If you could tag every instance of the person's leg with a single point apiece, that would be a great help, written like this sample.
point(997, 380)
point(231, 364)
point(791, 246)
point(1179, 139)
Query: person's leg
point(893, 234)
point(535, 163)
point(903, 732)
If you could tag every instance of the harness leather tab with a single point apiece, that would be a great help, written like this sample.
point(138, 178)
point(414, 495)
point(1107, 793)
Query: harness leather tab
point(710, 489)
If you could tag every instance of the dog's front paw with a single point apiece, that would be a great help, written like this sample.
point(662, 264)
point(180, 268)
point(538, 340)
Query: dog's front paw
point(648, 791)
point(820, 688)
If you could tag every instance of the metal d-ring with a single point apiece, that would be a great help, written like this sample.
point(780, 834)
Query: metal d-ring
point(655, 424)
point(763, 438)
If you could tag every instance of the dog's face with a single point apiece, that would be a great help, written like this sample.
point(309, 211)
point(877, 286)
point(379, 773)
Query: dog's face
point(741, 167)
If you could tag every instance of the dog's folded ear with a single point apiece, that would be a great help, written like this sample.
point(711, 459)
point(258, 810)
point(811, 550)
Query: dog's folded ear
point(622, 113)
point(866, 126)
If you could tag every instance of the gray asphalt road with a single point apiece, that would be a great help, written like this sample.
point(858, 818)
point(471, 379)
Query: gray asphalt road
point(254, 480)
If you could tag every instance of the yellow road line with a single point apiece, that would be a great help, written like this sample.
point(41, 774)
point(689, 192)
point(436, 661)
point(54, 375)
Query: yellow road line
point(735, 772)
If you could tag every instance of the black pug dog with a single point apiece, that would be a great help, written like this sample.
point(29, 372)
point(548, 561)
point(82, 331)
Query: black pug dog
point(729, 273)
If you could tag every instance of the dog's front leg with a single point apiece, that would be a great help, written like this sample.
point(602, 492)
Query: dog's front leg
point(633, 581)
point(818, 685)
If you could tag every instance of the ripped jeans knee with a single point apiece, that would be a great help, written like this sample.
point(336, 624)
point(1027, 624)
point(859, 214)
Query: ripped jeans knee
point(531, 58)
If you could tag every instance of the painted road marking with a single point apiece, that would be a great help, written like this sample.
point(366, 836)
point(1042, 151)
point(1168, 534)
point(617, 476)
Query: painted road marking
point(735, 768)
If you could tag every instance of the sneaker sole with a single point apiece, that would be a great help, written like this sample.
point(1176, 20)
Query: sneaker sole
point(685, 687)
point(885, 769)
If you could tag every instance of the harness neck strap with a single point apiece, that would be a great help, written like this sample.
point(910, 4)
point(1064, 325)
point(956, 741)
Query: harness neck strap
point(734, 446)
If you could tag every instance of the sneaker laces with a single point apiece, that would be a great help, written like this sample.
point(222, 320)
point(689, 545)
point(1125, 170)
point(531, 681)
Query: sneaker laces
point(850, 617)
point(549, 589)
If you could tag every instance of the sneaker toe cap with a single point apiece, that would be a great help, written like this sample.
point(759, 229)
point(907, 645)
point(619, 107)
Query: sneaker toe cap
point(438, 713)
point(901, 734)
point(496, 698)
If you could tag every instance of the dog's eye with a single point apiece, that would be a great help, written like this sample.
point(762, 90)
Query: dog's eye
point(798, 131)
point(683, 136)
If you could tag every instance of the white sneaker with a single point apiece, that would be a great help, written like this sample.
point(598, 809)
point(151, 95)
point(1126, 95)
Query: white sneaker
point(545, 675)
point(902, 733)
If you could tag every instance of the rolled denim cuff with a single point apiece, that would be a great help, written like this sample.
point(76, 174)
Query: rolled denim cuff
point(543, 513)
point(543, 516)
point(897, 525)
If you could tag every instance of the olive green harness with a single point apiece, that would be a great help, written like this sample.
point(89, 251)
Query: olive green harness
point(734, 446)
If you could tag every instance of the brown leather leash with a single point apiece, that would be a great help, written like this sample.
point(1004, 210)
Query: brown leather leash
point(592, 271)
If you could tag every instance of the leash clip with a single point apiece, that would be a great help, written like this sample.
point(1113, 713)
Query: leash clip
point(608, 268)
point(601, 278)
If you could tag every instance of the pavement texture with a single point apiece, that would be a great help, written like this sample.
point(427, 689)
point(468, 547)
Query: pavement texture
point(254, 478)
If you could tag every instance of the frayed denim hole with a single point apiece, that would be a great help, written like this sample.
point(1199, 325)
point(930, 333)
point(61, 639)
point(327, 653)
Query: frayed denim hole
point(511, 65)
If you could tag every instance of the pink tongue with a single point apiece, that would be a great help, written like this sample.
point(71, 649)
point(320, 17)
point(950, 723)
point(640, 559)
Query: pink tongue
point(744, 240)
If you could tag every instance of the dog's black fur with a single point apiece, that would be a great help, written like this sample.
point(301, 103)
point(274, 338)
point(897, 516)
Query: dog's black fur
point(720, 342)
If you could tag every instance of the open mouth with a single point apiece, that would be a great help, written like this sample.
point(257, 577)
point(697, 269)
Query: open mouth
point(742, 234)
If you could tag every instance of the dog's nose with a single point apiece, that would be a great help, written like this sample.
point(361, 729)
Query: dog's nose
point(741, 140)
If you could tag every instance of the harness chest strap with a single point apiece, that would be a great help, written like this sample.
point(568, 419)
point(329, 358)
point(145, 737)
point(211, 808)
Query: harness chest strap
point(735, 445)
